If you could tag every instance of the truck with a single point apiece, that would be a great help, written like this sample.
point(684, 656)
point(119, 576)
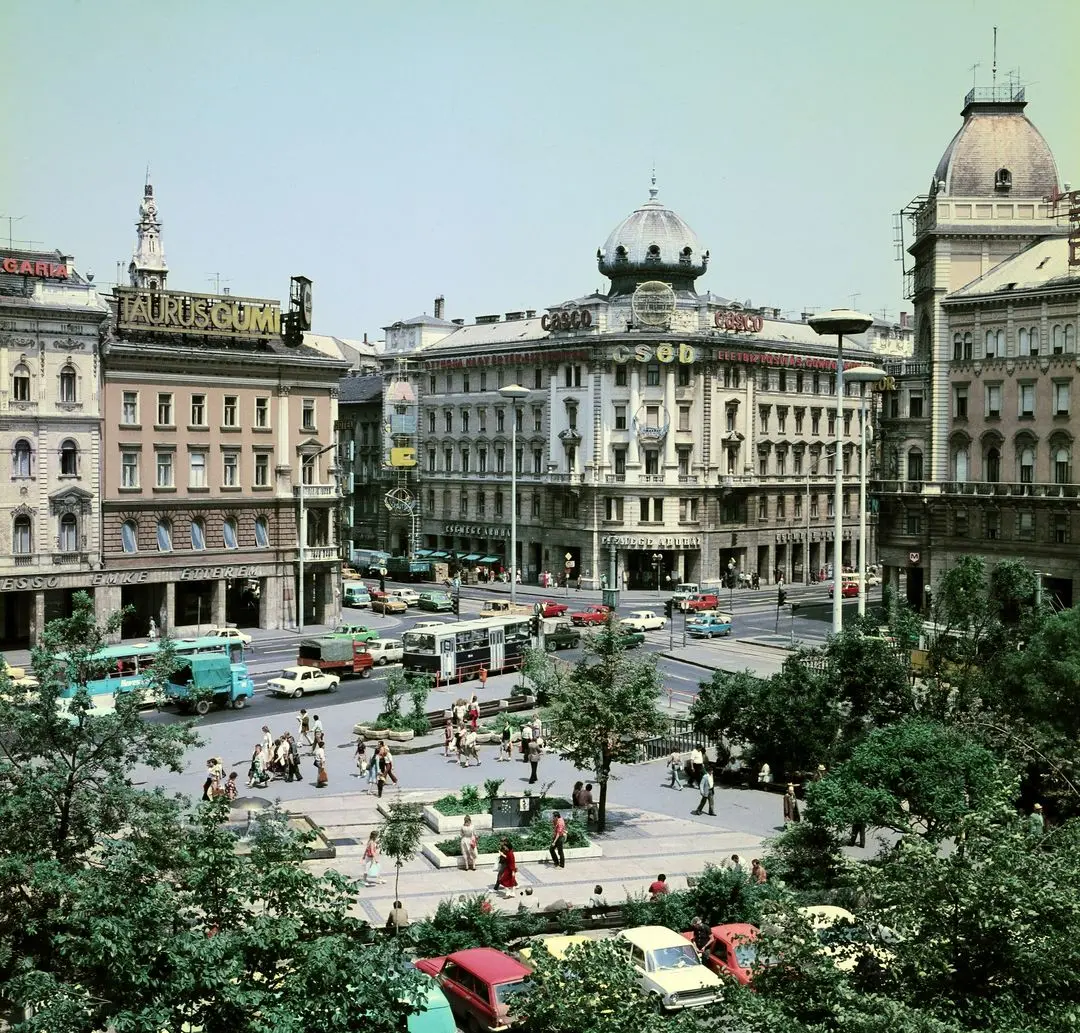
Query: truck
point(560, 634)
point(701, 601)
point(405, 568)
point(341, 656)
point(209, 678)
point(505, 608)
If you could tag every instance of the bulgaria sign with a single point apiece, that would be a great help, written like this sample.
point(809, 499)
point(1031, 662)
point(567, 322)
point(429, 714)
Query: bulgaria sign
point(203, 315)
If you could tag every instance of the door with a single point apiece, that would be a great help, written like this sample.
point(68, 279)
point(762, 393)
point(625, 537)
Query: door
point(447, 665)
point(497, 641)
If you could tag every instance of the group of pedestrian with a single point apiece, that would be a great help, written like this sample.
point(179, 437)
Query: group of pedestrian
point(279, 757)
point(532, 744)
point(378, 768)
point(216, 784)
point(461, 732)
point(582, 799)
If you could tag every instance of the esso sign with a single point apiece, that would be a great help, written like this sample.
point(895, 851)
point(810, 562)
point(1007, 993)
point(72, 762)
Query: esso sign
point(740, 322)
point(566, 319)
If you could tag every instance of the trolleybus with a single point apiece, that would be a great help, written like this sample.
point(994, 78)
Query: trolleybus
point(456, 652)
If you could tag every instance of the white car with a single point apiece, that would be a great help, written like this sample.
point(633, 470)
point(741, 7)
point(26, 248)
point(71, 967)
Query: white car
point(669, 968)
point(408, 596)
point(644, 620)
point(386, 651)
point(232, 634)
point(298, 681)
point(421, 625)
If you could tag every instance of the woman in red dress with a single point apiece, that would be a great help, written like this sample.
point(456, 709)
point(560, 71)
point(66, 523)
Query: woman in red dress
point(507, 880)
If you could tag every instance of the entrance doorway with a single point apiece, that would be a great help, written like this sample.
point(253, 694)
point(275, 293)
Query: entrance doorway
point(146, 601)
point(242, 597)
point(16, 615)
point(915, 586)
point(194, 604)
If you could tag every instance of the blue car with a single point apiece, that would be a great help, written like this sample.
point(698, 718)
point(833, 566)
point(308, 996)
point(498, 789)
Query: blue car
point(709, 627)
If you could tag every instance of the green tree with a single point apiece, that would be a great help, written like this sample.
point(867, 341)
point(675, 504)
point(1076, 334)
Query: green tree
point(400, 836)
point(719, 709)
point(604, 708)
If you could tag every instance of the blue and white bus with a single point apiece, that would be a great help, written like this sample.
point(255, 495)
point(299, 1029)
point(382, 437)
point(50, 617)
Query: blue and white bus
point(457, 652)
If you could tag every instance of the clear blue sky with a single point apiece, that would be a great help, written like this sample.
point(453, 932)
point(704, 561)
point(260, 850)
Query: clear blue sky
point(484, 150)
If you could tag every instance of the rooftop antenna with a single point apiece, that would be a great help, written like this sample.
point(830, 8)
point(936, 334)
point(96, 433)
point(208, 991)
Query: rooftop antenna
point(974, 67)
point(855, 297)
point(147, 174)
point(217, 281)
point(11, 220)
point(993, 72)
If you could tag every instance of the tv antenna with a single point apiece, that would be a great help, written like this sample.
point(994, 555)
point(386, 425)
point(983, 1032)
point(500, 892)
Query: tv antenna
point(11, 220)
point(855, 295)
point(217, 281)
point(974, 68)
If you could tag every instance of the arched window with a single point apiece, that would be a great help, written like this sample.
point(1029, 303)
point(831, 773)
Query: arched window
point(22, 536)
point(1027, 465)
point(21, 459)
point(1024, 341)
point(262, 533)
point(228, 533)
point(69, 458)
point(960, 464)
point(1057, 339)
point(957, 347)
point(914, 465)
point(1070, 338)
point(1062, 467)
point(69, 533)
point(164, 535)
point(967, 346)
point(67, 384)
point(20, 383)
point(992, 464)
point(198, 534)
point(129, 535)
point(995, 343)
point(1003, 180)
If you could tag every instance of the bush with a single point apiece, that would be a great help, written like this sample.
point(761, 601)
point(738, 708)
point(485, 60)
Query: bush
point(466, 802)
point(724, 895)
point(471, 922)
point(536, 837)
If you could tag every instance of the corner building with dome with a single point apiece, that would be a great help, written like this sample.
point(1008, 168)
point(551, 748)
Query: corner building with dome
point(688, 434)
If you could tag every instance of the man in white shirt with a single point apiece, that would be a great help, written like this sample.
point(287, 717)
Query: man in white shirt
point(697, 765)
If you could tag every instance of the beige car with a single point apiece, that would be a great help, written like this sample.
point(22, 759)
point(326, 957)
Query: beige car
point(669, 968)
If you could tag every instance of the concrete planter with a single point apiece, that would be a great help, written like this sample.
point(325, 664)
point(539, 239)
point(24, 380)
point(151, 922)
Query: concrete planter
point(383, 733)
point(446, 825)
point(441, 860)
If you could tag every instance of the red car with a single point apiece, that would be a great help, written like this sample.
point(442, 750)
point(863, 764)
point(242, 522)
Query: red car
point(731, 951)
point(550, 608)
point(597, 613)
point(702, 601)
point(848, 589)
point(480, 984)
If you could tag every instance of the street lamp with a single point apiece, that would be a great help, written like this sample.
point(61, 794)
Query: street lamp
point(514, 392)
point(811, 468)
point(658, 563)
point(862, 375)
point(839, 321)
point(309, 459)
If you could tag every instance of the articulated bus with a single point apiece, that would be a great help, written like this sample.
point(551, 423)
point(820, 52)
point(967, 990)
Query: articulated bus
point(124, 668)
point(456, 652)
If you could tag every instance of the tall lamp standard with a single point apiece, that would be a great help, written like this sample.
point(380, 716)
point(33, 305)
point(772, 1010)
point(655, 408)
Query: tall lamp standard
point(304, 460)
point(863, 375)
point(658, 564)
point(514, 392)
point(840, 321)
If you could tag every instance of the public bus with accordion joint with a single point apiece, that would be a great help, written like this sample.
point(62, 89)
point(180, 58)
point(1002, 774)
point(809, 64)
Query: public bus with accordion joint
point(458, 652)
point(125, 668)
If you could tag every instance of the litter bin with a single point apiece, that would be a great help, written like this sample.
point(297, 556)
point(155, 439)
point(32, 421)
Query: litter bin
point(513, 812)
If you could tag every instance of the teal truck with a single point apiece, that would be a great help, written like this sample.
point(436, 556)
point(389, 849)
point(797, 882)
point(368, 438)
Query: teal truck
point(210, 678)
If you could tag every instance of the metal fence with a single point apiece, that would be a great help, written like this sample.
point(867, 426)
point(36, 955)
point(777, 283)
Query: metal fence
point(680, 737)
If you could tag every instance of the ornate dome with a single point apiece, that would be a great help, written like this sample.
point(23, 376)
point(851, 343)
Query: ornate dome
point(997, 152)
point(652, 243)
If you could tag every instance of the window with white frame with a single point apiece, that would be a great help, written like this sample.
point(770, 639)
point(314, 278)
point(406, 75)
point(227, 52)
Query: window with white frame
point(228, 533)
point(68, 384)
point(230, 408)
point(129, 536)
point(198, 410)
point(129, 409)
point(164, 462)
point(22, 535)
point(165, 409)
point(992, 410)
point(307, 414)
point(1061, 398)
point(196, 469)
point(20, 383)
point(69, 458)
point(129, 469)
point(1025, 398)
point(262, 533)
point(198, 534)
point(262, 470)
point(262, 412)
point(230, 469)
point(164, 535)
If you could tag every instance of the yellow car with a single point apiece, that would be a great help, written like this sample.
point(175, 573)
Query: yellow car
point(669, 968)
point(844, 940)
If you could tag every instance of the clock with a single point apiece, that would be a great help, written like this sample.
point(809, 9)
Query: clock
point(305, 305)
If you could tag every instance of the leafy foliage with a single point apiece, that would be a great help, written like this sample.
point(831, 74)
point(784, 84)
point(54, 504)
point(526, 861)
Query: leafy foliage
point(400, 835)
point(536, 837)
point(470, 922)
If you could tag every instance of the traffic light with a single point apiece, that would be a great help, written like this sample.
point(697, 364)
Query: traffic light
point(457, 603)
point(781, 596)
point(534, 626)
point(669, 608)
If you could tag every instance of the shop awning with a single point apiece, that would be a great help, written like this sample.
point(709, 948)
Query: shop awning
point(471, 558)
point(439, 555)
point(490, 559)
point(423, 552)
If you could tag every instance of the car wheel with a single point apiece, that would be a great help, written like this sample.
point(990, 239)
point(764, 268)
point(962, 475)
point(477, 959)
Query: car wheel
point(550, 647)
point(333, 686)
point(202, 707)
point(239, 703)
point(297, 692)
point(365, 672)
point(381, 661)
point(575, 643)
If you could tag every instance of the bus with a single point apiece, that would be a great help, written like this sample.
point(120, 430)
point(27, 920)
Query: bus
point(124, 668)
point(457, 652)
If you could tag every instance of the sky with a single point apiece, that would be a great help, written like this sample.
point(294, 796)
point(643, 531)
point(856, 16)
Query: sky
point(394, 151)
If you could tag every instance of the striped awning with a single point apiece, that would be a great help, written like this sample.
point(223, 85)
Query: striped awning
point(490, 559)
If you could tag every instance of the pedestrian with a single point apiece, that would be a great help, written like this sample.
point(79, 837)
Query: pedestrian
point(294, 773)
point(463, 749)
point(305, 727)
point(658, 887)
point(472, 747)
point(506, 880)
point(587, 803)
point(211, 783)
point(858, 835)
point(373, 769)
point(558, 840)
point(231, 788)
point(398, 918)
point(320, 763)
point(474, 707)
point(537, 726)
point(448, 736)
point(758, 875)
point(371, 860)
point(697, 764)
point(735, 863)
point(701, 932)
point(597, 898)
point(791, 806)
point(268, 744)
point(526, 738)
point(317, 729)
point(361, 757)
point(506, 745)
point(765, 775)
point(705, 787)
point(535, 746)
point(820, 773)
point(675, 765)
point(469, 844)
point(1036, 821)
point(387, 763)
point(152, 634)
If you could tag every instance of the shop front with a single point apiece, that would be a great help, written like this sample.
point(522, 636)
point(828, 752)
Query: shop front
point(656, 562)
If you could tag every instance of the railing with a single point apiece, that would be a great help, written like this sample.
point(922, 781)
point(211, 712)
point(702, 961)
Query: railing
point(906, 368)
point(566, 478)
point(615, 478)
point(69, 558)
point(689, 478)
point(315, 553)
point(901, 487)
point(680, 736)
point(1010, 94)
point(652, 478)
point(24, 560)
point(315, 491)
point(1022, 490)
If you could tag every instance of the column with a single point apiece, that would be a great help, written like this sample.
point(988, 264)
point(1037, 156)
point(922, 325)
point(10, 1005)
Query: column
point(283, 460)
point(669, 407)
point(217, 604)
point(632, 458)
point(270, 602)
point(170, 607)
point(37, 618)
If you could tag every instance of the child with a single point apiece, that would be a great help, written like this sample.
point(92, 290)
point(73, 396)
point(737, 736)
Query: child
point(230, 787)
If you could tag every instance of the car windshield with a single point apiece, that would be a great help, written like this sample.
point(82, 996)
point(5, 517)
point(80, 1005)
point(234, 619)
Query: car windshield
point(678, 956)
point(505, 992)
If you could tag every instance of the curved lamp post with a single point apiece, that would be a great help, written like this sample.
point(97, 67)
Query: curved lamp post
point(513, 392)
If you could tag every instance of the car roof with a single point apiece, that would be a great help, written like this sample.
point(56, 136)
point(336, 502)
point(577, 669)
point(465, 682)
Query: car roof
point(489, 964)
point(735, 930)
point(648, 937)
point(826, 914)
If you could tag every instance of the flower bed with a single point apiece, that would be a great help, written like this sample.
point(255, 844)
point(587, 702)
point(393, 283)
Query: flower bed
point(536, 837)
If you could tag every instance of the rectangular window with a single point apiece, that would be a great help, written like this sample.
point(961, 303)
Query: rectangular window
point(783, 380)
point(613, 509)
point(537, 460)
point(538, 384)
point(960, 523)
point(684, 417)
point(449, 383)
point(652, 462)
point(781, 507)
point(230, 470)
point(1061, 398)
point(763, 507)
point(763, 418)
point(913, 522)
point(431, 460)
point(815, 422)
point(781, 463)
point(652, 416)
point(813, 507)
point(465, 385)
point(197, 470)
point(129, 469)
point(688, 510)
point(620, 417)
point(960, 401)
point(481, 460)
point(643, 510)
point(448, 421)
point(781, 419)
point(620, 376)
point(498, 503)
point(431, 422)
point(730, 423)
point(571, 459)
point(1026, 400)
point(500, 460)
point(164, 410)
point(519, 419)
point(847, 423)
point(993, 525)
point(1061, 528)
point(229, 409)
point(262, 470)
point(481, 503)
point(164, 469)
point(500, 420)
point(129, 414)
point(682, 376)
point(652, 375)
point(483, 380)
point(466, 419)
point(684, 461)
point(432, 389)
point(915, 405)
point(538, 420)
point(448, 459)
point(463, 504)
point(1025, 525)
point(798, 506)
point(465, 457)
point(993, 402)
point(763, 464)
point(481, 419)
point(535, 507)
point(799, 413)
point(198, 410)
point(620, 462)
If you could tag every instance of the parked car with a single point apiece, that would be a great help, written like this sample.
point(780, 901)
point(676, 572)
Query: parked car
point(409, 596)
point(386, 651)
point(231, 634)
point(701, 601)
point(348, 573)
point(669, 968)
point(355, 593)
point(480, 983)
point(384, 604)
point(550, 608)
point(299, 681)
point(597, 613)
point(849, 588)
point(436, 1017)
point(709, 626)
point(644, 620)
point(731, 951)
point(845, 941)
point(357, 632)
point(421, 625)
point(629, 638)
point(439, 602)
point(561, 635)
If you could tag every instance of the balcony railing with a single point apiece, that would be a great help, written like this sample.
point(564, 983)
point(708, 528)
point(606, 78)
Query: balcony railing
point(315, 491)
point(316, 553)
point(615, 478)
point(689, 478)
point(566, 478)
point(1012, 489)
point(61, 559)
point(906, 368)
point(23, 559)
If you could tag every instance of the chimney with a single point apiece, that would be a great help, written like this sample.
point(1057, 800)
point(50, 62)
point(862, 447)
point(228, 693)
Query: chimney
point(510, 317)
point(458, 322)
point(903, 320)
point(440, 306)
point(487, 319)
point(805, 316)
point(365, 337)
point(530, 313)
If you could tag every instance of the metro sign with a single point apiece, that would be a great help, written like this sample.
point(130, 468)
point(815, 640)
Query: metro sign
point(26, 267)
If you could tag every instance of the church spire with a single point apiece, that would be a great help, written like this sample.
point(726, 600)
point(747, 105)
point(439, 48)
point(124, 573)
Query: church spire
point(148, 267)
